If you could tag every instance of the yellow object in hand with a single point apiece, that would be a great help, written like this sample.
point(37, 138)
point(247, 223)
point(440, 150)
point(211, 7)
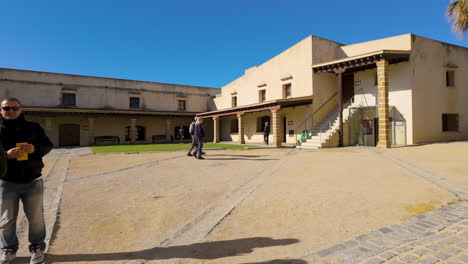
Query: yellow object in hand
point(23, 155)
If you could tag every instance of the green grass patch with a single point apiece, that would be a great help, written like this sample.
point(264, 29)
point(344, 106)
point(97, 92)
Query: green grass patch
point(162, 147)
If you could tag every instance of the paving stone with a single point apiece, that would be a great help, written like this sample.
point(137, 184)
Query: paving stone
point(395, 262)
point(388, 255)
point(331, 250)
point(350, 243)
point(463, 245)
point(462, 258)
point(442, 255)
point(385, 230)
point(456, 228)
point(420, 252)
point(429, 260)
point(362, 237)
point(402, 249)
point(374, 260)
point(408, 258)
point(435, 247)
point(450, 241)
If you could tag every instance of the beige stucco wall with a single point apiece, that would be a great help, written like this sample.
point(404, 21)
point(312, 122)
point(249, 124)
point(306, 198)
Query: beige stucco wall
point(401, 42)
point(295, 62)
point(41, 89)
point(431, 96)
point(400, 91)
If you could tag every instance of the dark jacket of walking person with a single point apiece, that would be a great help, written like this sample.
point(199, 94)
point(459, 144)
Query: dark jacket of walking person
point(25, 143)
point(198, 134)
point(266, 132)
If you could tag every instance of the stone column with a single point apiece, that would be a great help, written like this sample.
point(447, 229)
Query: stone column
point(240, 120)
point(91, 131)
point(216, 129)
point(383, 108)
point(276, 127)
point(168, 129)
point(133, 131)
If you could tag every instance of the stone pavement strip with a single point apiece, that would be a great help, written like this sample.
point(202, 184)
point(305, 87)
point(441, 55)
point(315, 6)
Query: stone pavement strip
point(440, 236)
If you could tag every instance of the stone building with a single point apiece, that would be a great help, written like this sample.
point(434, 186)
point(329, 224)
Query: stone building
point(319, 93)
point(82, 110)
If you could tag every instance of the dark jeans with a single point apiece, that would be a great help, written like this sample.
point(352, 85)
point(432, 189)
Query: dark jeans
point(265, 138)
point(199, 144)
point(31, 194)
point(194, 145)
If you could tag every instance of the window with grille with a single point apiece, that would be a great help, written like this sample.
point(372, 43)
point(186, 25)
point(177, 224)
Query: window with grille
point(261, 96)
point(134, 102)
point(181, 104)
point(287, 90)
point(69, 99)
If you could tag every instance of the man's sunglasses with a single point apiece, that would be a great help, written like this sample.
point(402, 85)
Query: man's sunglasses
point(8, 108)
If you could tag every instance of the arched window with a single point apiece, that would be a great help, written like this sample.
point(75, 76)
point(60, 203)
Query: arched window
point(141, 133)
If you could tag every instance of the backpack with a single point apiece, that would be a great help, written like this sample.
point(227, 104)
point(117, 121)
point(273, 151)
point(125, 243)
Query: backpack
point(192, 125)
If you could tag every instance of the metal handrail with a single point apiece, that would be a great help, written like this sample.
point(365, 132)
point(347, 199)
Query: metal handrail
point(311, 117)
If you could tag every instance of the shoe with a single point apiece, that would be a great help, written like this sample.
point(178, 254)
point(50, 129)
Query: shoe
point(189, 154)
point(203, 153)
point(195, 156)
point(201, 158)
point(7, 256)
point(37, 255)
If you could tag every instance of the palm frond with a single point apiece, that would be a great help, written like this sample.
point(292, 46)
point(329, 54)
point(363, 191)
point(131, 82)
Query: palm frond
point(457, 12)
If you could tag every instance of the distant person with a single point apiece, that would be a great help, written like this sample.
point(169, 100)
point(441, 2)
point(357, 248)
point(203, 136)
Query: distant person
point(198, 134)
point(266, 132)
point(194, 145)
point(25, 144)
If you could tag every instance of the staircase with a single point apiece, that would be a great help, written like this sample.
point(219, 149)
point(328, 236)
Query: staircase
point(324, 131)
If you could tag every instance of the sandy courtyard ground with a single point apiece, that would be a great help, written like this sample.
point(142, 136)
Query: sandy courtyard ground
point(242, 206)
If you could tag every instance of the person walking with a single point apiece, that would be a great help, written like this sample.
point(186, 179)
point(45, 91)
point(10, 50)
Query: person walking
point(198, 134)
point(194, 145)
point(266, 132)
point(25, 143)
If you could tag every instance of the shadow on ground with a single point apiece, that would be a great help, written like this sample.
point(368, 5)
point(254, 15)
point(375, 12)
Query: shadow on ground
point(234, 157)
point(206, 250)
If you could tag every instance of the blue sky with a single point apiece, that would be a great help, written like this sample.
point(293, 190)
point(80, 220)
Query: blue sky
point(203, 43)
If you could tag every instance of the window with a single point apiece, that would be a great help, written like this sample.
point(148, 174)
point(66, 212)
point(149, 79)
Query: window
point(234, 126)
point(261, 122)
point(449, 122)
point(140, 133)
point(234, 101)
point(261, 96)
point(181, 105)
point(450, 78)
point(68, 99)
point(287, 90)
point(134, 102)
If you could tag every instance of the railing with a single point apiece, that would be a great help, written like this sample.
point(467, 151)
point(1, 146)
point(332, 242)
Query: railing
point(323, 128)
point(304, 131)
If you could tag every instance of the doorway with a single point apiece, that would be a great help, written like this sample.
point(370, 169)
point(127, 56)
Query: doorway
point(348, 87)
point(69, 135)
point(284, 129)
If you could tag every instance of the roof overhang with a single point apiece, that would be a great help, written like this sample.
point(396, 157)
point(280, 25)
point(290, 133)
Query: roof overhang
point(89, 112)
point(362, 62)
point(269, 105)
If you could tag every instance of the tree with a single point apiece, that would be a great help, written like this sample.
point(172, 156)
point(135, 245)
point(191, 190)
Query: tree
point(458, 12)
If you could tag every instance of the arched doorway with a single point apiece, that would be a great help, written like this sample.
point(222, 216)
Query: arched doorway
point(69, 135)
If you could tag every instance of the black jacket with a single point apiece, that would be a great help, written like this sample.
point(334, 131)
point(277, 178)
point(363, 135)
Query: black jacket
point(20, 130)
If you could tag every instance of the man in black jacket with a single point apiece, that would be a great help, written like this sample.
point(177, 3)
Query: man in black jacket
point(25, 143)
